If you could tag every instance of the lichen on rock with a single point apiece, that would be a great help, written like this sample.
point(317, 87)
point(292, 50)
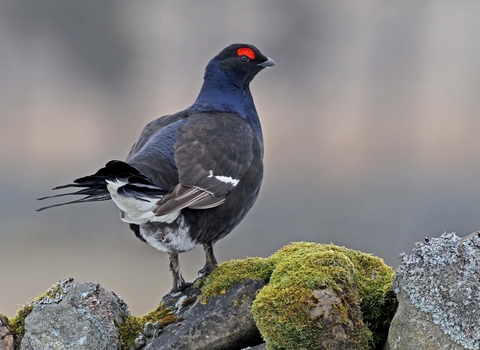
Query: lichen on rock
point(16, 324)
point(441, 279)
point(70, 315)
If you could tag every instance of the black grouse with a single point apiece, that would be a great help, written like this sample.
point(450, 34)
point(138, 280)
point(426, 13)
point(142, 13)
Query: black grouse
point(192, 176)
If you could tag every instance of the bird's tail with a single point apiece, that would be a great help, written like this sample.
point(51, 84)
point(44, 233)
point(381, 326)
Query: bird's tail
point(94, 187)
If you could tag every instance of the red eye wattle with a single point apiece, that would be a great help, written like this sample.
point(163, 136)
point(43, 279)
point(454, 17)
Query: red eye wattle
point(246, 51)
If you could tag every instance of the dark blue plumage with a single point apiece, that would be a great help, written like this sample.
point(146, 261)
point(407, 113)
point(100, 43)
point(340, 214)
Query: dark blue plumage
point(192, 176)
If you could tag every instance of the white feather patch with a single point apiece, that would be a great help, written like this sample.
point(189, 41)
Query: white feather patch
point(225, 179)
point(137, 211)
point(228, 180)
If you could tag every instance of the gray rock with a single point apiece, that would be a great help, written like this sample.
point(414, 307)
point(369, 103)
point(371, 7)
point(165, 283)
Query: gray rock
point(223, 322)
point(257, 347)
point(439, 294)
point(182, 301)
point(337, 330)
point(411, 330)
point(6, 338)
point(74, 315)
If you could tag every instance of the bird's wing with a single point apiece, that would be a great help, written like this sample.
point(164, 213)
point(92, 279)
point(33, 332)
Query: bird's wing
point(153, 128)
point(212, 153)
point(152, 154)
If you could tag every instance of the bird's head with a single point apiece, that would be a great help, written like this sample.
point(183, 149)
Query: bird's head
point(237, 64)
point(227, 79)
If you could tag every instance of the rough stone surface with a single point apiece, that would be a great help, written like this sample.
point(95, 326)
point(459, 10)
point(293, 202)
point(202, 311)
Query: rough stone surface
point(223, 322)
point(257, 347)
point(338, 329)
point(182, 301)
point(411, 330)
point(74, 315)
point(440, 279)
point(6, 338)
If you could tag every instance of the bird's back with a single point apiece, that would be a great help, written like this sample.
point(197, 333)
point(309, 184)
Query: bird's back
point(152, 154)
point(215, 152)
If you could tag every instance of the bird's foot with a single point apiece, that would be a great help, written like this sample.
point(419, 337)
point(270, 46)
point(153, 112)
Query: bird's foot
point(178, 288)
point(205, 271)
point(179, 285)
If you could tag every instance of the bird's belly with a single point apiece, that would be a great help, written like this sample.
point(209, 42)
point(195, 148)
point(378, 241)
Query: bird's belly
point(168, 237)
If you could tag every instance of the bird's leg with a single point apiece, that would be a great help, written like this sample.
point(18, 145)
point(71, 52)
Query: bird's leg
point(211, 262)
point(179, 283)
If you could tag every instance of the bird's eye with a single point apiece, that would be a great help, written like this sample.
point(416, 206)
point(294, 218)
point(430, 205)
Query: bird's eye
point(244, 59)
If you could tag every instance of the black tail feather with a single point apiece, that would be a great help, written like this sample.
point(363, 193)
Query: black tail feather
point(95, 186)
point(85, 192)
point(81, 200)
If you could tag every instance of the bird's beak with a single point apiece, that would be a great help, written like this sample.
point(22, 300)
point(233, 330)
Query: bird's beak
point(268, 63)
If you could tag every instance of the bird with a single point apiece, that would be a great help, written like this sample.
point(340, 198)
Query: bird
point(192, 176)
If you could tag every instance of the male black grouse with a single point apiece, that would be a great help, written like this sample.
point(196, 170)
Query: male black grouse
point(192, 176)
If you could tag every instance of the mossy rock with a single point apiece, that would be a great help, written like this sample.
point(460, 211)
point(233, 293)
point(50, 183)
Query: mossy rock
point(16, 324)
point(290, 310)
point(132, 326)
point(129, 329)
point(302, 279)
point(233, 272)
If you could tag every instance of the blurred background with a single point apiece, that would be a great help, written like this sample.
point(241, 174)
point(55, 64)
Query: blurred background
point(371, 124)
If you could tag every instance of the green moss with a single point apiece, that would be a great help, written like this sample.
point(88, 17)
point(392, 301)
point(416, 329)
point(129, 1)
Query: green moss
point(16, 324)
point(378, 301)
point(282, 308)
point(231, 273)
point(133, 325)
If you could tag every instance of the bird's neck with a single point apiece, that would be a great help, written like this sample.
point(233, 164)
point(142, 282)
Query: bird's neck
point(220, 94)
